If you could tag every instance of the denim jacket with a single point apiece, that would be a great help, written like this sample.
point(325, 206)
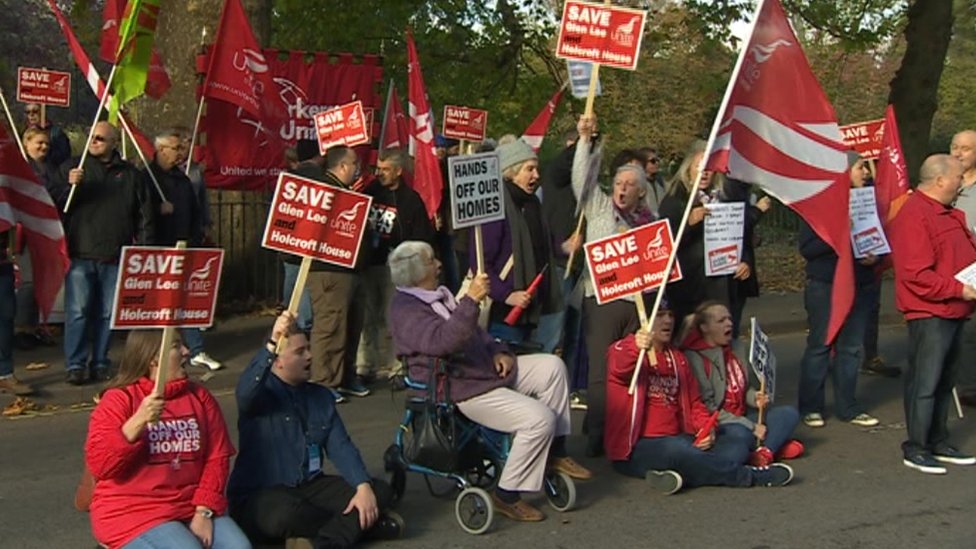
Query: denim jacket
point(277, 425)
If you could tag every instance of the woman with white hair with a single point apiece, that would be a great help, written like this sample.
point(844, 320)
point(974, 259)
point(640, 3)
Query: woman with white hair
point(488, 383)
point(627, 207)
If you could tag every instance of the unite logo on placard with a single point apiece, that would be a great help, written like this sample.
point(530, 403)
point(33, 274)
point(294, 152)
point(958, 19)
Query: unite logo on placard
point(624, 34)
point(353, 121)
point(344, 222)
point(197, 282)
point(655, 250)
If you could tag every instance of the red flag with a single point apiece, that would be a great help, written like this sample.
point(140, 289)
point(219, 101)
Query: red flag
point(788, 142)
point(427, 179)
point(396, 131)
point(536, 131)
point(92, 77)
point(891, 183)
point(239, 72)
point(157, 83)
point(24, 200)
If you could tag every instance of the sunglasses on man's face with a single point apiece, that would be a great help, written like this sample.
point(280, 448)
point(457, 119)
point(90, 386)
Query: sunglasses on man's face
point(653, 160)
point(99, 139)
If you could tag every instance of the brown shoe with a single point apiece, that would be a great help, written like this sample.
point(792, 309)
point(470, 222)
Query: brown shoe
point(13, 385)
point(519, 511)
point(569, 466)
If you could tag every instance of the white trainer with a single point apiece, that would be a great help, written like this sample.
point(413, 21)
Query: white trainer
point(203, 360)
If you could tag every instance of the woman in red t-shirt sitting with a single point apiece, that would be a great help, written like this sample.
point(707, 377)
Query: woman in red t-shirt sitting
point(723, 381)
point(160, 463)
point(663, 432)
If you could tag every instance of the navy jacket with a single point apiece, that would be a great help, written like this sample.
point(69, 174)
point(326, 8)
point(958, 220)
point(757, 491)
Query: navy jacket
point(276, 424)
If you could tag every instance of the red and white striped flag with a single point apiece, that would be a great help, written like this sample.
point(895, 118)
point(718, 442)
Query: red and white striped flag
point(92, 77)
point(24, 200)
point(427, 177)
point(536, 131)
point(780, 132)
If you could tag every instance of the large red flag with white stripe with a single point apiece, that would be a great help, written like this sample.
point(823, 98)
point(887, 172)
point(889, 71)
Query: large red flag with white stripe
point(891, 184)
point(427, 177)
point(780, 132)
point(93, 78)
point(536, 131)
point(24, 200)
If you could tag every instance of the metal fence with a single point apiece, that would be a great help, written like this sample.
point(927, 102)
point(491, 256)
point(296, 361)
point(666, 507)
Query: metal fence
point(252, 274)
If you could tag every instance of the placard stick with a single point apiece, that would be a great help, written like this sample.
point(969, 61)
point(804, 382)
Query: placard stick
point(701, 168)
point(43, 111)
point(91, 133)
point(13, 127)
point(135, 145)
point(479, 249)
point(955, 398)
point(572, 253)
point(162, 362)
point(645, 325)
point(296, 296)
point(125, 151)
point(196, 123)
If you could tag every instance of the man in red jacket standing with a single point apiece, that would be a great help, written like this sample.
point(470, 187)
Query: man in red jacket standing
point(930, 244)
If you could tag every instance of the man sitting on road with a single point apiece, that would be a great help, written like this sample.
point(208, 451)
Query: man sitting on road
point(287, 425)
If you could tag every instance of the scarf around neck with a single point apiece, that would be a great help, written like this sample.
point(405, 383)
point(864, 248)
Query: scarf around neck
point(440, 300)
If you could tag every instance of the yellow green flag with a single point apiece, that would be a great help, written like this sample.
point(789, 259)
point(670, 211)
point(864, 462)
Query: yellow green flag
point(137, 30)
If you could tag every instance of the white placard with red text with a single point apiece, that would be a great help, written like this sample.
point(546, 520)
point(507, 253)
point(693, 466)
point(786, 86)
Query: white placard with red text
point(159, 287)
point(599, 33)
point(632, 262)
point(724, 226)
point(342, 125)
point(465, 123)
point(43, 86)
point(867, 233)
point(310, 218)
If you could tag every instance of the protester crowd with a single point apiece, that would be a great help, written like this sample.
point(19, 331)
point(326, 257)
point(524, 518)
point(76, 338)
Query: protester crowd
point(160, 463)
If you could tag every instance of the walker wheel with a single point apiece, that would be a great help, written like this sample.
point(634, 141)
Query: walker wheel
point(560, 491)
point(474, 511)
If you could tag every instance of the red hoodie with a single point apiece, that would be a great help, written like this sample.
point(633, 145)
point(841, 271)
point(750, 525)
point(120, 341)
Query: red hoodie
point(626, 414)
point(178, 463)
point(736, 380)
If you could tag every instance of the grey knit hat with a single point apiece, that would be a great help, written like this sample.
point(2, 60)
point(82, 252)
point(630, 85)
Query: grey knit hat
point(852, 158)
point(514, 153)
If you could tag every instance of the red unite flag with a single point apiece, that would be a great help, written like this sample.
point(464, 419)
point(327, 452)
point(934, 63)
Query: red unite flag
point(157, 82)
point(93, 78)
point(891, 183)
point(25, 201)
point(396, 130)
point(427, 178)
point(789, 143)
point(536, 131)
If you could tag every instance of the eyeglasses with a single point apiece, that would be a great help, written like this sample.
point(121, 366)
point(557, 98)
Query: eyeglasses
point(99, 139)
point(653, 160)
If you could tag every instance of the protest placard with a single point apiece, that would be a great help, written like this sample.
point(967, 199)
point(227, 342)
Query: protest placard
point(724, 226)
point(968, 275)
point(865, 137)
point(342, 125)
point(579, 78)
point(763, 360)
point(309, 218)
point(465, 123)
point(160, 287)
point(867, 233)
point(632, 262)
point(43, 86)
point(476, 189)
point(600, 33)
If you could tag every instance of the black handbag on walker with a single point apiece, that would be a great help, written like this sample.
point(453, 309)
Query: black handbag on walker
point(435, 434)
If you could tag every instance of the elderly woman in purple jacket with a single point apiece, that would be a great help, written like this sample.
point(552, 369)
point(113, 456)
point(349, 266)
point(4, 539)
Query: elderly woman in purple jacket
point(489, 384)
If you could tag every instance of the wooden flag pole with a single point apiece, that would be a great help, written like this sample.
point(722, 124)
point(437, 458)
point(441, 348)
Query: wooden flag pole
point(701, 169)
point(91, 133)
point(162, 362)
point(296, 296)
point(142, 157)
point(590, 99)
point(196, 122)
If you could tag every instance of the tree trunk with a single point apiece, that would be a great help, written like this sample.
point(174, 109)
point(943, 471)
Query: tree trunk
point(915, 87)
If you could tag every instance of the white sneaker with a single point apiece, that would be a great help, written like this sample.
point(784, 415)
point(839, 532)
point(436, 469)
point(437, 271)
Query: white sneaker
point(864, 420)
point(814, 420)
point(203, 360)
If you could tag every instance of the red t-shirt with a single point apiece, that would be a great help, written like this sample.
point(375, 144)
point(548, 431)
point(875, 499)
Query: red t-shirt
point(735, 386)
point(662, 417)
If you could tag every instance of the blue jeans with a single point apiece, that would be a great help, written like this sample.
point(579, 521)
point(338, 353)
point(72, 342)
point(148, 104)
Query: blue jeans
point(780, 423)
point(847, 348)
point(304, 319)
point(88, 292)
point(192, 340)
point(8, 308)
point(696, 467)
point(177, 535)
point(933, 360)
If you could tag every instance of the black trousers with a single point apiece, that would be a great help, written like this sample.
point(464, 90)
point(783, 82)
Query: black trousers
point(933, 359)
point(310, 510)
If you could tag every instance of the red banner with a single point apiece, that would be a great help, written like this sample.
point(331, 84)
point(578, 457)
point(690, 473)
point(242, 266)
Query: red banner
point(239, 155)
point(310, 218)
point(865, 137)
point(465, 123)
point(344, 125)
point(43, 86)
point(632, 262)
point(602, 34)
point(160, 287)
